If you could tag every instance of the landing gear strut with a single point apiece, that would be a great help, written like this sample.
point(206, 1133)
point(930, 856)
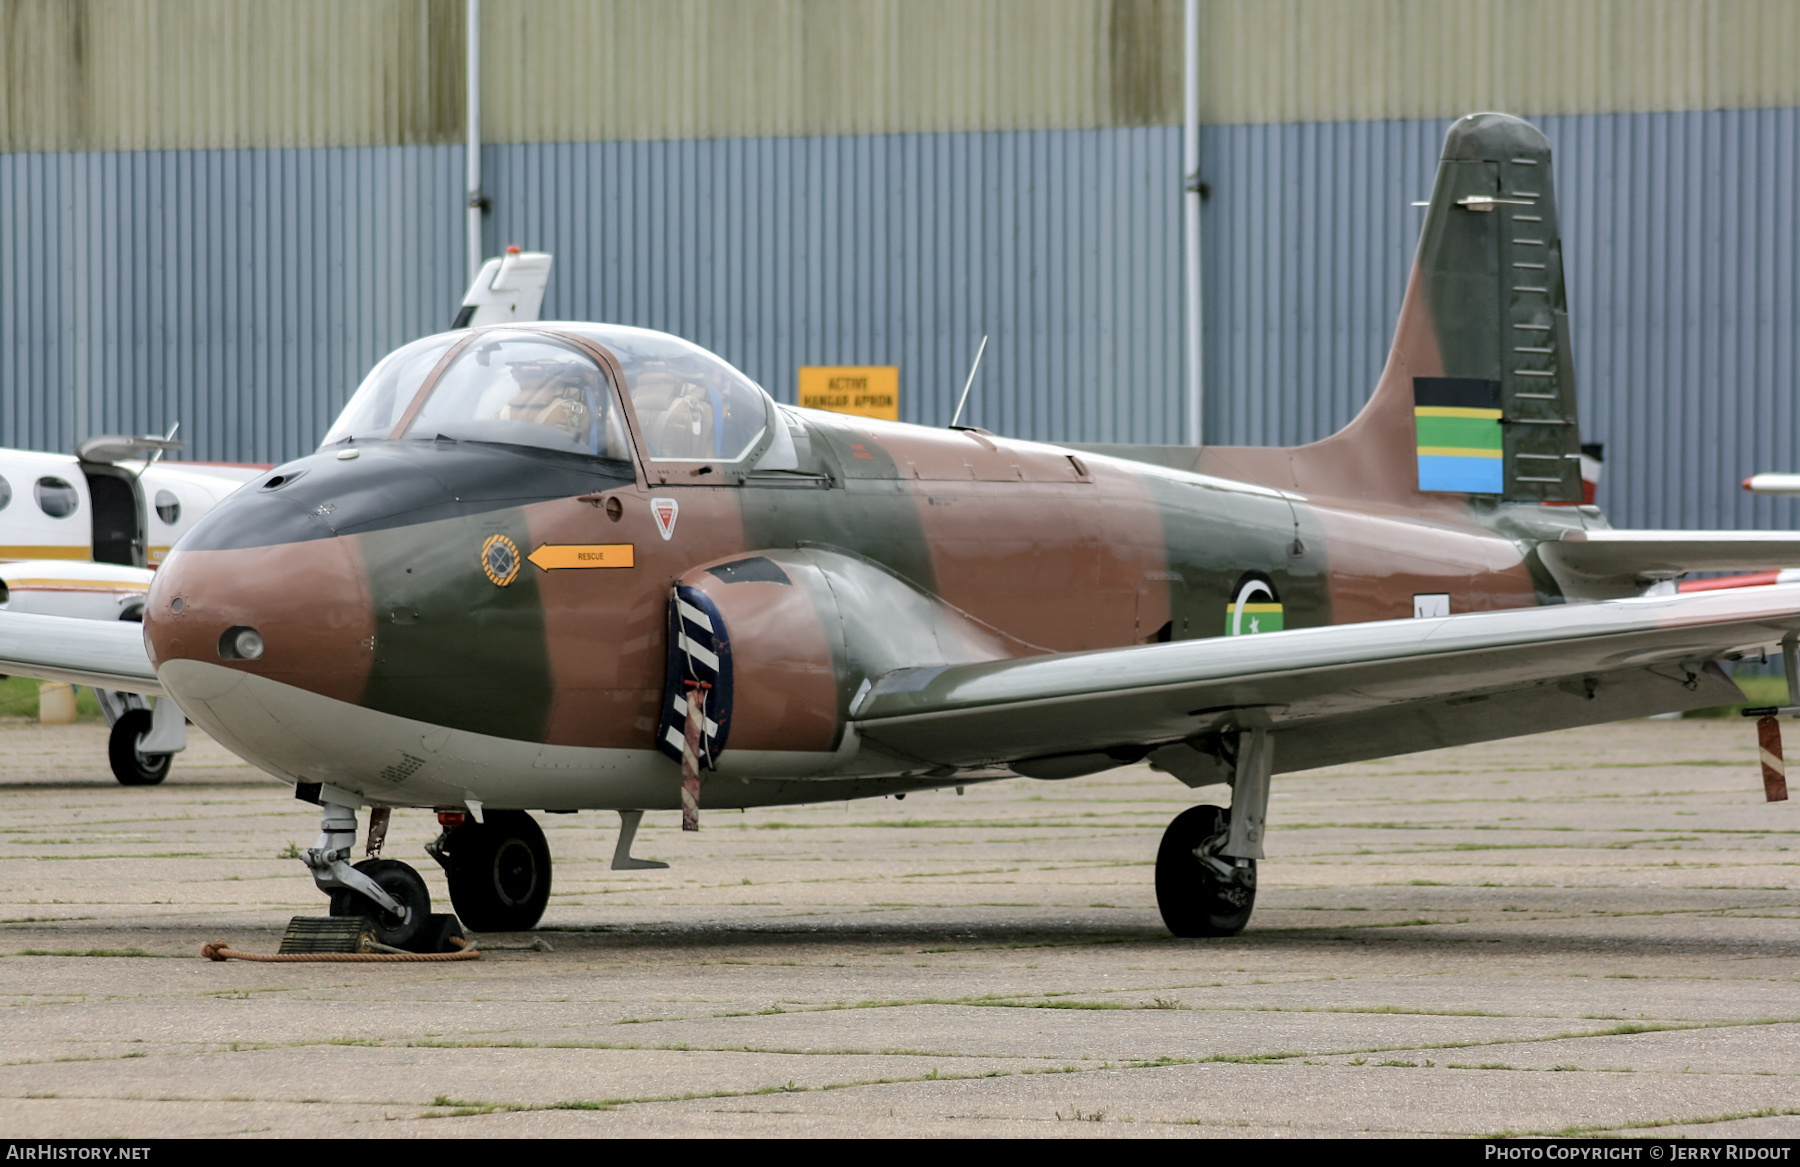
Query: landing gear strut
point(498, 870)
point(1206, 866)
point(387, 891)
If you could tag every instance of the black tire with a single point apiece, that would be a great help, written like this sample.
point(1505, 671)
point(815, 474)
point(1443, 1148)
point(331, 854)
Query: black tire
point(129, 766)
point(498, 871)
point(405, 885)
point(1193, 898)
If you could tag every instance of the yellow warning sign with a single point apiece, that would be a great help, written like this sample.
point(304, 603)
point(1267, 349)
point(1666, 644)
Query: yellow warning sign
point(863, 390)
point(550, 556)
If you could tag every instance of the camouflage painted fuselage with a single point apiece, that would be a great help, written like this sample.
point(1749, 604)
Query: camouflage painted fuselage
point(400, 667)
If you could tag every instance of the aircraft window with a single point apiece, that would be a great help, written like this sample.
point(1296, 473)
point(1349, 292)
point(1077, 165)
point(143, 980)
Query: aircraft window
point(376, 406)
point(168, 507)
point(690, 404)
point(57, 498)
point(524, 390)
point(5, 493)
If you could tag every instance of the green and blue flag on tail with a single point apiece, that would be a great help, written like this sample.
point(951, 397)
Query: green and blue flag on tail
point(1457, 421)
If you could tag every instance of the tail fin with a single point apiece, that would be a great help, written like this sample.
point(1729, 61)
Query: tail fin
point(1478, 395)
point(507, 290)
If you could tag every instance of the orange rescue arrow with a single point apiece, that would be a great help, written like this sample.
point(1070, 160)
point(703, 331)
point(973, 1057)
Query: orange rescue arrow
point(550, 556)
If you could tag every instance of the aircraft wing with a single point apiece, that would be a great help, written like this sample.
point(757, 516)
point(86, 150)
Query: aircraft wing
point(107, 654)
point(1337, 694)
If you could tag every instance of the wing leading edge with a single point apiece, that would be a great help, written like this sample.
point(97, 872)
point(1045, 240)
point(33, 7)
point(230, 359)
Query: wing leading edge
point(107, 654)
point(1329, 695)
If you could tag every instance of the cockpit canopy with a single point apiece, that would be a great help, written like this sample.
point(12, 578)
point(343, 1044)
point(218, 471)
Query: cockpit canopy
point(690, 404)
point(520, 389)
point(534, 387)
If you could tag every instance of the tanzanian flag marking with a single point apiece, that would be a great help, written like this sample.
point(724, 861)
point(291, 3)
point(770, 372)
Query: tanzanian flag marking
point(1457, 420)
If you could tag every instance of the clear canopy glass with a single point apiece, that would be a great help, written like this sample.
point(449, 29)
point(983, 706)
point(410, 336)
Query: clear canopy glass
point(379, 402)
point(690, 404)
point(524, 389)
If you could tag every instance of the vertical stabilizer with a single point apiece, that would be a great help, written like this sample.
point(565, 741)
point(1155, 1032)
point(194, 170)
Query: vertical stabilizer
point(1491, 262)
point(1478, 396)
point(509, 289)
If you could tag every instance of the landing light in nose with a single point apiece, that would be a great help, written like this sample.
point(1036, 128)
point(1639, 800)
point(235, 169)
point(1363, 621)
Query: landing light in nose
point(241, 643)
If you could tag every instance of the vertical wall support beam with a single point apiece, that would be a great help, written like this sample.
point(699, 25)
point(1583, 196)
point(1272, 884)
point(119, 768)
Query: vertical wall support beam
point(1196, 328)
point(1250, 793)
point(472, 34)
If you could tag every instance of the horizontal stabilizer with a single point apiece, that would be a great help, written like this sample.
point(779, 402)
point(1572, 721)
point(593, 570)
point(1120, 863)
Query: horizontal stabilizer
point(1627, 556)
point(107, 654)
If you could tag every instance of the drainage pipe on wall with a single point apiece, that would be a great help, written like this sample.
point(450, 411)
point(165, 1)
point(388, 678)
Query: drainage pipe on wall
point(473, 67)
point(1190, 160)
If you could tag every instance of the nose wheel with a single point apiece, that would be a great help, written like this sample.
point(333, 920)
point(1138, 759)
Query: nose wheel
point(398, 929)
point(1200, 891)
point(498, 870)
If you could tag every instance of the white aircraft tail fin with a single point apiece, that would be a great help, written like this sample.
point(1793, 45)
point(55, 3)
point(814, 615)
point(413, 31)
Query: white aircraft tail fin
point(509, 289)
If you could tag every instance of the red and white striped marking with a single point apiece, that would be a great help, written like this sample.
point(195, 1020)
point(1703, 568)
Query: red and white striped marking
point(1774, 767)
point(690, 756)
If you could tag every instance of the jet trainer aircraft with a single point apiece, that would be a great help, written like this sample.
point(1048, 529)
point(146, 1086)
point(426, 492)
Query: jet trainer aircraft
point(577, 566)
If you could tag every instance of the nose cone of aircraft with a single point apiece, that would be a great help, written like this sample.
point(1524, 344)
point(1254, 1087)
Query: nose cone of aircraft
point(295, 612)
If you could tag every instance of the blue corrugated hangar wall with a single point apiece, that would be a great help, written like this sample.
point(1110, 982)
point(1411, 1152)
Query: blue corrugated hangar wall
point(243, 291)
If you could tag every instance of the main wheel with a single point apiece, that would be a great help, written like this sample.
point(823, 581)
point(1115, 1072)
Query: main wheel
point(1197, 898)
point(131, 766)
point(399, 881)
point(498, 871)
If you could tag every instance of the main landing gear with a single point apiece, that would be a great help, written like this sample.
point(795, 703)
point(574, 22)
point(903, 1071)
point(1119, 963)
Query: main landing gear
point(1200, 891)
point(1206, 866)
point(498, 868)
point(144, 740)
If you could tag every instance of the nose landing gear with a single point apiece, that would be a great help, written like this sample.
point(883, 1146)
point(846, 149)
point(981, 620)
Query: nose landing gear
point(387, 891)
point(498, 869)
point(400, 929)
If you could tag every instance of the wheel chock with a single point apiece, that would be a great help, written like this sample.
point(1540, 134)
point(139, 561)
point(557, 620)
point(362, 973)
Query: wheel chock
point(315, 934)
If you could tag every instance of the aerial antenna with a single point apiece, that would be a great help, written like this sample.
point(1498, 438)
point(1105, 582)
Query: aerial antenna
point(157, 457)
point(964, 399)
point(169, 443)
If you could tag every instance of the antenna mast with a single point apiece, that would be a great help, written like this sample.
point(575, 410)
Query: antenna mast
point(964, 399)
